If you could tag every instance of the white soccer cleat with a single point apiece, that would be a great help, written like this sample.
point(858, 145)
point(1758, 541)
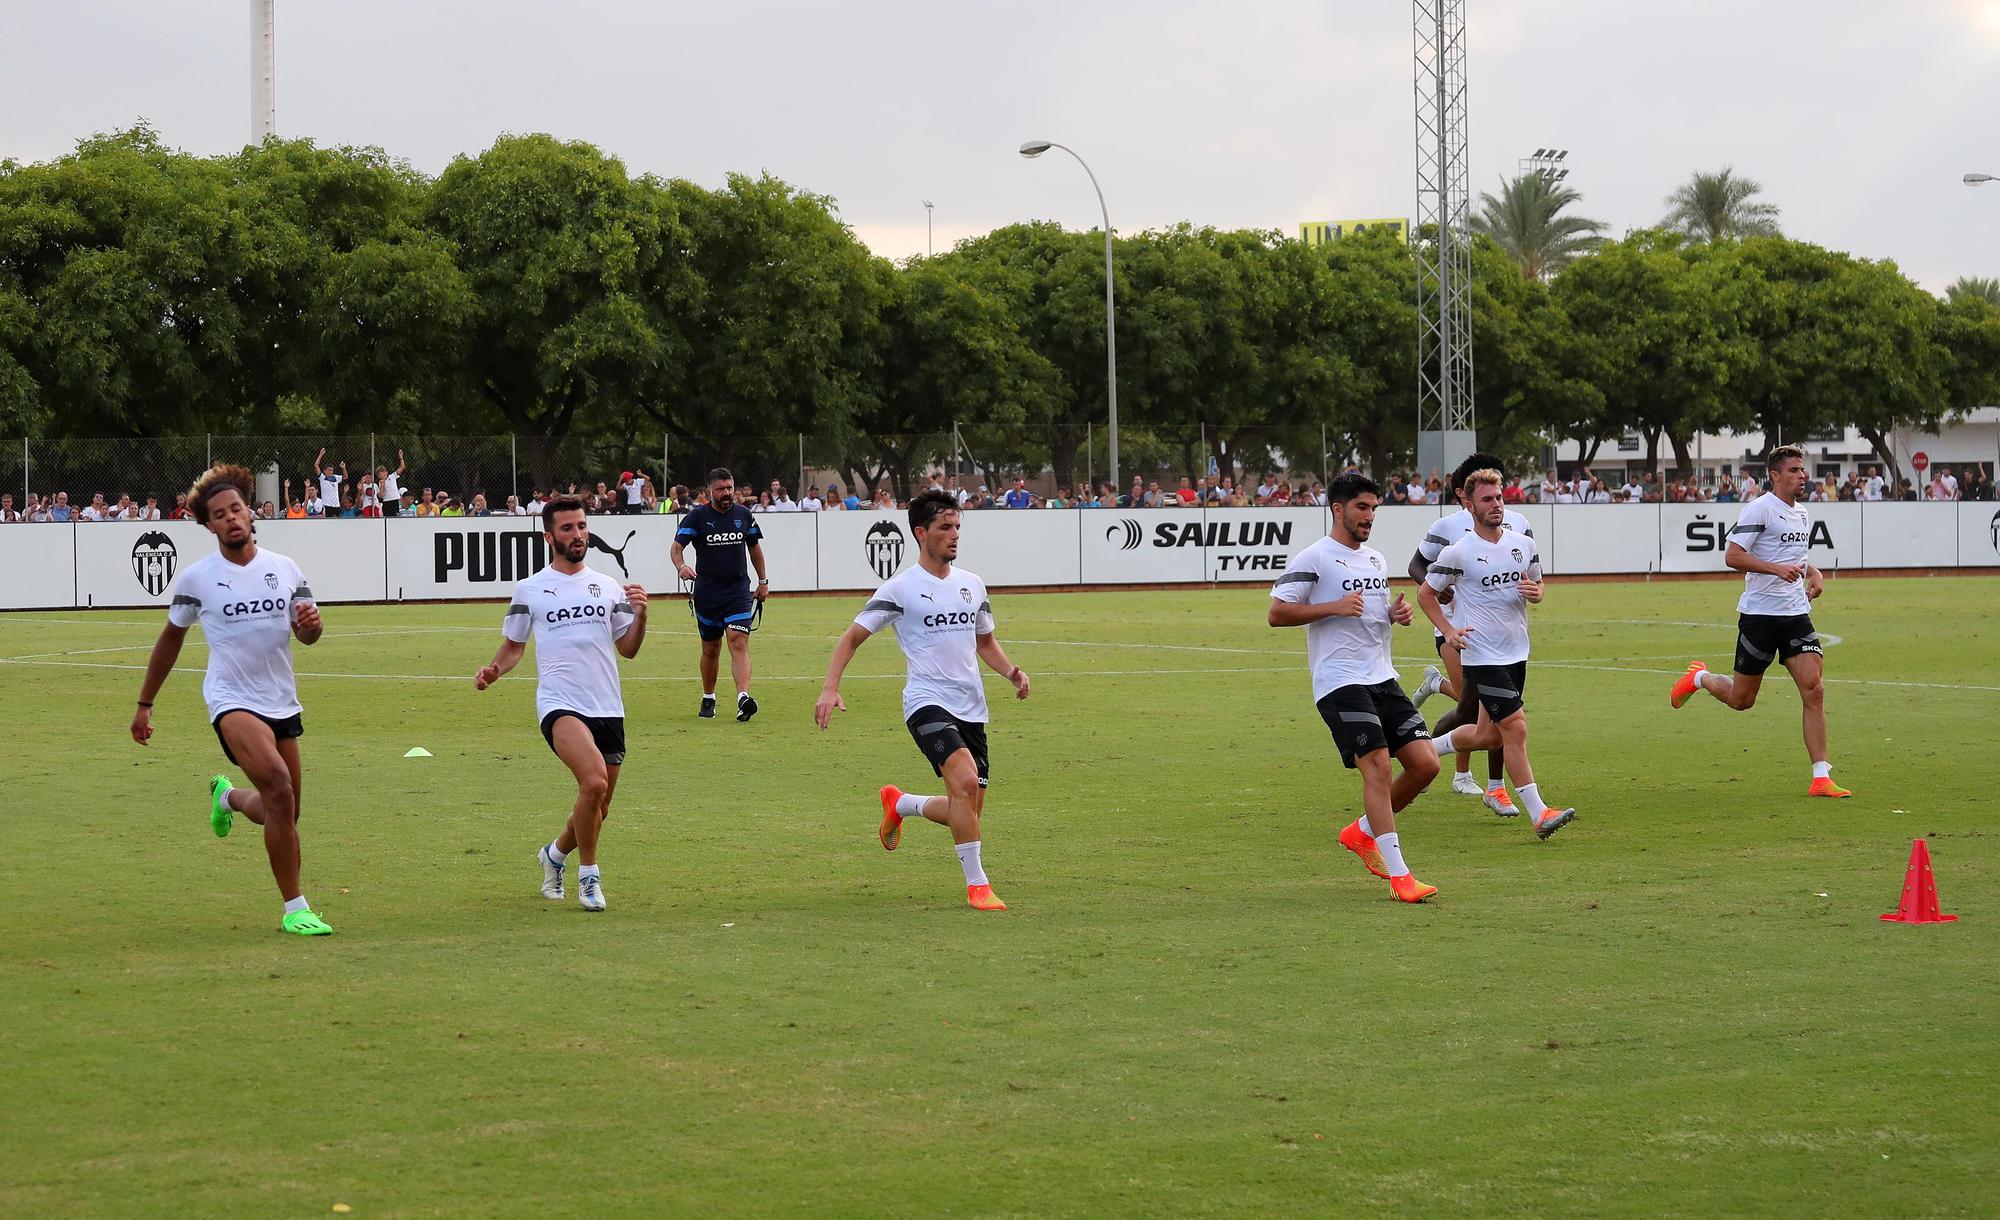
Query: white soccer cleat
point(1463, 784)
point(590, 893)
point(552, 874)
point(1428, 687)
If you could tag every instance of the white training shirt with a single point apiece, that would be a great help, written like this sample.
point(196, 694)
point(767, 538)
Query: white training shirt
point(1774, 532)
point(574, 620)
point(1451, 528)
point(246, 614)
point(392, 488)
point(1341, 651)
point(1488, 576)
point(937, 623)
point(329, 485)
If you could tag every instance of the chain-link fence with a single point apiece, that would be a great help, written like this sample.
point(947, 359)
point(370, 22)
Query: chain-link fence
point(1051, 461)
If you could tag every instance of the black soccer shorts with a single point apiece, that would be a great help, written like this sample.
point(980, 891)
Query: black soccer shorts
point(1364, 719)
point(289, 726)
point(717, 614)
point(939, 734)
point(607, 731)
point(1762, 638)
point(1498, 687)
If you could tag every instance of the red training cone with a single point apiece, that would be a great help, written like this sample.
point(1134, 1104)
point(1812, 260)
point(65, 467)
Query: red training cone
point(1920, 900)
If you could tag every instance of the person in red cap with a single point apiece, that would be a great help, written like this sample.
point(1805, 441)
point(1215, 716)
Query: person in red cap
point(632, 491)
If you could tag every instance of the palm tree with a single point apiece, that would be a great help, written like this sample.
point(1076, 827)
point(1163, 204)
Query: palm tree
point(1711, 206)
point(1983, 287)
point(1524, 221)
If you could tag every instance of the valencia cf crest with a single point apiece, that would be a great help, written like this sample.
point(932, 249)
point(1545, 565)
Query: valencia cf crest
point(884, 545)
point(153, 561)
point(965, 595)
point(271, 580)
point(595, 588)
point(1515, 552)
point(1377, 561)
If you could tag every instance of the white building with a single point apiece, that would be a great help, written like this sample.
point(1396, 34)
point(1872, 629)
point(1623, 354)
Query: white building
point(1973, 441)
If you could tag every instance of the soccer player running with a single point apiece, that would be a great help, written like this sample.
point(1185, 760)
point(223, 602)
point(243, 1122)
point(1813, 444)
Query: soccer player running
point(577, 616)
point(724, 535)
point(1338, 590)
point(1769, 545)
point(1442, 534)
point(944, 623)
point(249, 601)
point(1495, 573)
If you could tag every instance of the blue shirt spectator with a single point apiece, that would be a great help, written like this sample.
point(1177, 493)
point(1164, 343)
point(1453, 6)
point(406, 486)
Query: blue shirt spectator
point(1018, 496)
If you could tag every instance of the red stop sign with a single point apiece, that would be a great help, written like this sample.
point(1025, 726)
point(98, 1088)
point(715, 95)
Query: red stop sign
point(1920, 459)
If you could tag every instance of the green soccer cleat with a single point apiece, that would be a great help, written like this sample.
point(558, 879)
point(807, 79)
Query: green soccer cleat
point(306, 923)
point(220, 815)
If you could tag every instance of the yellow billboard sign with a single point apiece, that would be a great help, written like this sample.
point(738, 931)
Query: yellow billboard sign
point(1318, 232)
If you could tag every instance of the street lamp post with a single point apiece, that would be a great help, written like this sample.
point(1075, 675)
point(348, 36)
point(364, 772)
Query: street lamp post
point(927, 228)
point(1035, 148)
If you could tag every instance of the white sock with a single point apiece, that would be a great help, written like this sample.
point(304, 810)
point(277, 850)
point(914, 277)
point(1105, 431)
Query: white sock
point(1443, 744)
point(968, 859)
point(229, 799)
point(556, 853)
point(742, 695)
point(586, 870)
point(1701, 679)
point(1531, 799)
point(1391, 847)
point(297, 904)
point(910, 805)
point(708, 696)
point(1362, 822)
point(1822, 770)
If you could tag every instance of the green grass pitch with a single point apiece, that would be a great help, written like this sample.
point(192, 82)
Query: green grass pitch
point(1198, 1004)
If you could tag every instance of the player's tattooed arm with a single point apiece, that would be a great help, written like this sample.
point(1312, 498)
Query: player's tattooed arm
point(757, 562)
point(166, 650)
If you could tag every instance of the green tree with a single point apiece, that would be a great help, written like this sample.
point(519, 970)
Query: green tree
point(782, 333)
point(578, 275)
point(1984, 288)
point(1712, 206)
point(1526, 221)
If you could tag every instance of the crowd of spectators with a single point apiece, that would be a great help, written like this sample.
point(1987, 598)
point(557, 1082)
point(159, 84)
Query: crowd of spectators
point(331, 493)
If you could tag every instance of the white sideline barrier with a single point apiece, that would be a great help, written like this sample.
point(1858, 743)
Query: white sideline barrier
point(1978, 535)
point(422, 559)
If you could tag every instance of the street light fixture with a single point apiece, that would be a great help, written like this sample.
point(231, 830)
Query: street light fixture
point(928, 205)
point(1031, 150)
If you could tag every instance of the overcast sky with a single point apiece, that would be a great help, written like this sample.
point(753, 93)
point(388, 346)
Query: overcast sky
point(1858, 118)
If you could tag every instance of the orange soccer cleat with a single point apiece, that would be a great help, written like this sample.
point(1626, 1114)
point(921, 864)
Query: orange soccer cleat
point(891, 832)
point(1409, 889)
point(1499, 802)
point(983, 898)
point(1824, 786)
point(1686, 684)
point(1362, 844)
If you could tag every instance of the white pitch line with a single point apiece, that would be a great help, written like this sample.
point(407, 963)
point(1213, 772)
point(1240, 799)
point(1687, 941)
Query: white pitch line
point(467, 677)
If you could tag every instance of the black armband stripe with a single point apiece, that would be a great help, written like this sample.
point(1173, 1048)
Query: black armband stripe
point(1297, 578)
point(882, 604)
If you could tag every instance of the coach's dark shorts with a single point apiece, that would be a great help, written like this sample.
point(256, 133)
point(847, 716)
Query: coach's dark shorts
point(939, 734)
point(1498, 687)
point(717, 614)
point(607, 731)
point(1762, 638)
point(290, 726)
point(1364, 719)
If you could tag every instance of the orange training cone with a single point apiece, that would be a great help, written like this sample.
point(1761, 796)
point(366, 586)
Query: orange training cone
point(1920, 900)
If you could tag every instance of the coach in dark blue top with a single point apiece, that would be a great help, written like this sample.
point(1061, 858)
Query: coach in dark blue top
point(727, 543)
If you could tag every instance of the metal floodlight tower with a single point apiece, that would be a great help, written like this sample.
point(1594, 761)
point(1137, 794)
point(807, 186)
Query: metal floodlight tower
point(263, 71)
point(1547, 162)
point(1444, 257)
